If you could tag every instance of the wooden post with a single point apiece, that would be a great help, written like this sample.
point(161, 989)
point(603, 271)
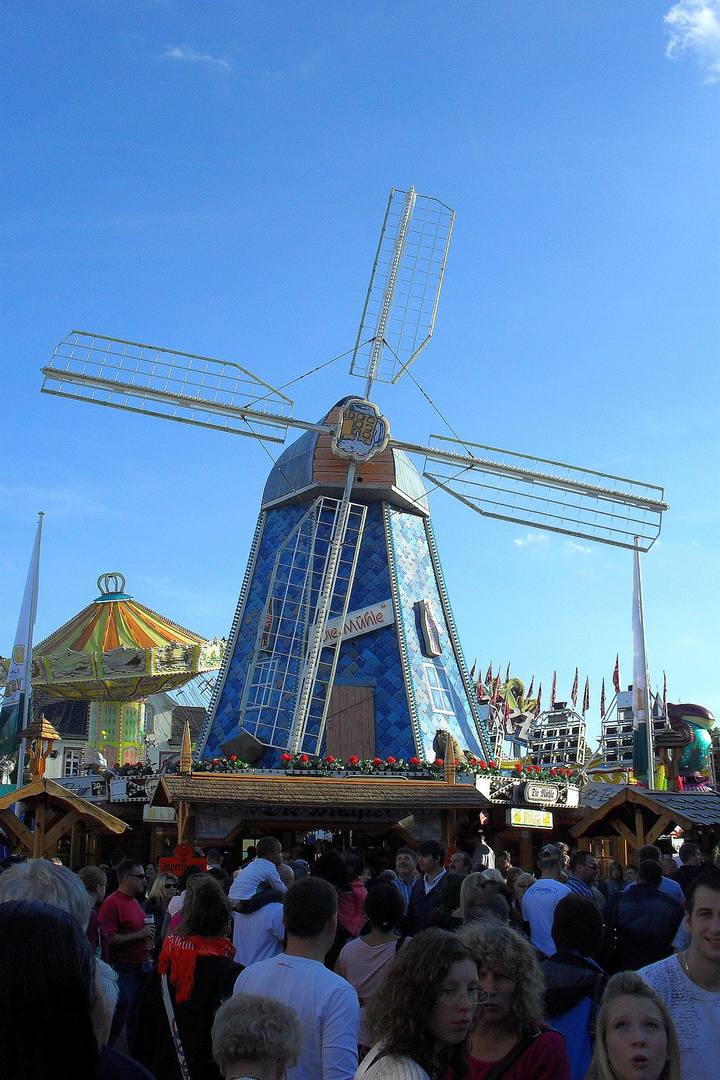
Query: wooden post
point(39, 834)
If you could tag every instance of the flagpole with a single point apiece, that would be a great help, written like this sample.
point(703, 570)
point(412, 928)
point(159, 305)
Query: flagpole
point(640, 667)
point(27, 678)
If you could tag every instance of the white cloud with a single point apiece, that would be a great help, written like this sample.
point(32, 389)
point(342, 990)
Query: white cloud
point(189, 54)
point(532, 538)
point(576, 549)
point(695, 25)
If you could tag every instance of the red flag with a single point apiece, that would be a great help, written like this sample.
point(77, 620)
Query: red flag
point(575, 689)
point(586, 695)
point(553, 691)
point(602, 701)
point(472, 669)
point(532, 683)
point(539, 699)
point(616, 674)
point(488, 677)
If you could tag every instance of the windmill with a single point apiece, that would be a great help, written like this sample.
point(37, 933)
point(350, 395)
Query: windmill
point(343, 629)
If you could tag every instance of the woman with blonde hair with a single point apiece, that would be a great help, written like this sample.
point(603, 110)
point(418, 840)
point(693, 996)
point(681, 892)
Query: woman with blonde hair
point(164, 889)
point(635, 1034)
point(509, 1038)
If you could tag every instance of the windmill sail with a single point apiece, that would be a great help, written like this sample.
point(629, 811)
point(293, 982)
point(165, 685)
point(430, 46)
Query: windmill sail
point(172, 385)
point(402, 299)
point(545, 494)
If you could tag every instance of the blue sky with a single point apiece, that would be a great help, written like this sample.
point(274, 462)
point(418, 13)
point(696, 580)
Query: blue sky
point(212, 178)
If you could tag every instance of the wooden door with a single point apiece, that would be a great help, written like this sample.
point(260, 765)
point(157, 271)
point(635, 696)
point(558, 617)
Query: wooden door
point(351, 722)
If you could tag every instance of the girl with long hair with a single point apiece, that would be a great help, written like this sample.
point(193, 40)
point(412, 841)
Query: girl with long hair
point(635, 1034)
point(509, 1038)
point(197, 963)
point(421, 1014)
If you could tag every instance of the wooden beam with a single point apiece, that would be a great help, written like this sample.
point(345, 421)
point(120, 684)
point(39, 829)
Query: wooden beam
point(639, 827)
point(39, 833)
point(14, 825)
point(64, 825)
point(621, 828)
point(658, 828)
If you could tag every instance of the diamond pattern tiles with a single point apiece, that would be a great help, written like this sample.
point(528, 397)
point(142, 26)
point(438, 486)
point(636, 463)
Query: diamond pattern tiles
point(279, 523)
point(374, 657)
point(438, 688)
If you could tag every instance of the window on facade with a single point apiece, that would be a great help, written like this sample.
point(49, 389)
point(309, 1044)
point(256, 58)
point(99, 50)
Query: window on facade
point(71, 763)
point(439, 687)
point(262, 687)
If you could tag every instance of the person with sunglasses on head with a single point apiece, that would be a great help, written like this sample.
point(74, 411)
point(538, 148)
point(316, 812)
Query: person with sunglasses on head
point(130, 940)
point(164, 888)
point(422, 1012)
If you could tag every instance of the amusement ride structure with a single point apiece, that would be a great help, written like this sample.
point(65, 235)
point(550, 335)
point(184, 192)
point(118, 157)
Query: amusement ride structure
point(343, 641)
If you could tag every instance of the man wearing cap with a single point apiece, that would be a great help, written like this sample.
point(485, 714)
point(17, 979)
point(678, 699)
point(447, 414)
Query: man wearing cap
point(541, 899)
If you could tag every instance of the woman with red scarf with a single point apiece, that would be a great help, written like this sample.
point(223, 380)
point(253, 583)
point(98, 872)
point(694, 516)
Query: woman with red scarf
point(197, 964)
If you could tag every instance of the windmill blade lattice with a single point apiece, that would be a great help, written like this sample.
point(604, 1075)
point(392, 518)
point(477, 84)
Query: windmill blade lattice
point(401, 303)
point(172, 385)
point(546, 494)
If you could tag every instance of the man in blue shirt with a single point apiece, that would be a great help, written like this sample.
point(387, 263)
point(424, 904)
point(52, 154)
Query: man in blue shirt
point(584, 872)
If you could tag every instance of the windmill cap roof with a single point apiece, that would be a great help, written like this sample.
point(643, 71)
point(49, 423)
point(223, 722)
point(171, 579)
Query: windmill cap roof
point(309, 463)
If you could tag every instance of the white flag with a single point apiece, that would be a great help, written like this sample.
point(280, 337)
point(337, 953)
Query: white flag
point(17, 689)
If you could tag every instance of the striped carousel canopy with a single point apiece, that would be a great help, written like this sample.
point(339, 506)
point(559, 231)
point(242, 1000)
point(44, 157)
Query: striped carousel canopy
point(118, 649)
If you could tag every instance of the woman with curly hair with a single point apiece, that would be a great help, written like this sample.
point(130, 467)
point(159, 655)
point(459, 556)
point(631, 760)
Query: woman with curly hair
point(421, 1014)
point(635, 1034)
point(509, 1039)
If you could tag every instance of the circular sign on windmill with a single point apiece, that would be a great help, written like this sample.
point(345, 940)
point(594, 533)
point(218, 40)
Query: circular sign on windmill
point(361, 431)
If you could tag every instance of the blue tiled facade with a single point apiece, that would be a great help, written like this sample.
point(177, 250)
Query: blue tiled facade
point(414, 694)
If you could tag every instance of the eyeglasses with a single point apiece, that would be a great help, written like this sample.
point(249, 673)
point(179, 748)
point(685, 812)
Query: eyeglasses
point(169, 886)
point(453, 995)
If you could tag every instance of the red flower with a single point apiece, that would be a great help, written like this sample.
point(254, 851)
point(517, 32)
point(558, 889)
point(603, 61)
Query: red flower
point(391, 760)
point(457, 763)
point(414, 761)
point(286, 757)
point(233, 758)
point(493, 764)
point(215, 761)
point(304, 758)
point(438, 761)
point(553, 772)
point(354, 759)
point(483, 765)
point(330, 760)
point(377, 761)
point(519, 767)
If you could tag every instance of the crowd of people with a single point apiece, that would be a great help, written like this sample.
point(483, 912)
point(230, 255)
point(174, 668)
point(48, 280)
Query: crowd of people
point(447, 967)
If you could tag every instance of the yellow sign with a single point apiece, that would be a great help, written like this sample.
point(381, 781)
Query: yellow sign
point(522, 818)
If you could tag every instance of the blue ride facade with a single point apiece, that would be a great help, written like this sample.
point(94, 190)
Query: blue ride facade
point(392, 680)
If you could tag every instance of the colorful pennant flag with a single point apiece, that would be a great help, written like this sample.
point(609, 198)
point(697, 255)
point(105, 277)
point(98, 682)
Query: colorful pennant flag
point(602, 701)
point(539, 700)
point(530, 691)
point(488, 677)
point(553, 691)
point(664, 693)
point(575, 689)
point(616, 674)
point(472, 669)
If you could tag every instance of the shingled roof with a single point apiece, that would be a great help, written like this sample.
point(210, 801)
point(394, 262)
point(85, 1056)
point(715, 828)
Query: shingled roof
point(659, 812)
point(396, 794)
